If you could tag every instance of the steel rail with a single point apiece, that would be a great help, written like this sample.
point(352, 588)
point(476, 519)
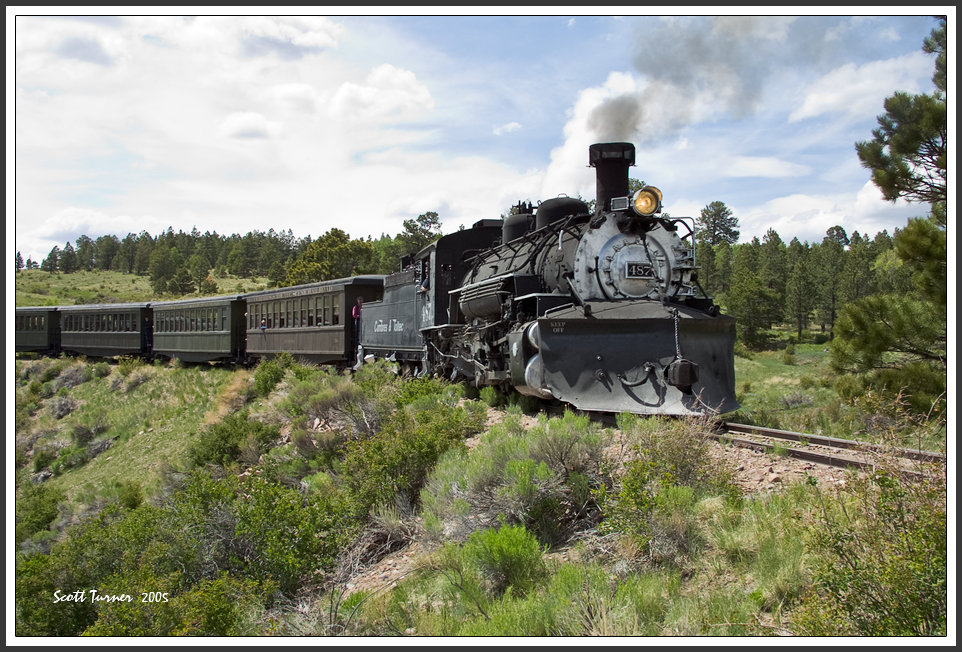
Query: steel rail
point(724, 435)
point(908, 453)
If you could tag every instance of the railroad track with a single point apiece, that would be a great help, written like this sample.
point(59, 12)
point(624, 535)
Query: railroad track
point(842, 453)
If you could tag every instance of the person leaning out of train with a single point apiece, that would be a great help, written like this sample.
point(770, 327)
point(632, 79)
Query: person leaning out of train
point(356, 313)
point(425, 285)
point(263, 325)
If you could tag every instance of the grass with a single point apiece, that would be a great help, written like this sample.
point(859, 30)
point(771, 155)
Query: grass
point(707, 562)
point(35, 287)
point(802, 397)
point(152, 415)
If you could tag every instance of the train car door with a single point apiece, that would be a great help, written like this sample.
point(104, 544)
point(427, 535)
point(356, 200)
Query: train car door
point(426, 290)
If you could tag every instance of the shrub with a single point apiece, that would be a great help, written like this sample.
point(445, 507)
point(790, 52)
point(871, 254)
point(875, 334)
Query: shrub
point(36, 509)
point(105, 550)
point(542, 479)
point(222, 443)
point(378, 377)
point(61, 406)
point(880, 562)
point(493, 397)
point(70, 377)
point(796, 399)
point(260, 530)
point(508, 557)
point(130, 494)
point(127, 364)
point(81, 434)
point(532, 494)
point(266, 377)
point(327, 398)
point(568, 445)
point(98, 370)
point(653, 501)
point(70, 458)
point(52, 369)
point(43, 458)
point(395, 462)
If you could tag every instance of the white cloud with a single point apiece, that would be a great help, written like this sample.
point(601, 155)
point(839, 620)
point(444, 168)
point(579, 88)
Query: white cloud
point(302, 31)
point(387, 93)
point(296, 96)
point(858, 91)
point(506, 128)
point(240, 123)
point(809, 216)
point(248, 125)
point(763, 166)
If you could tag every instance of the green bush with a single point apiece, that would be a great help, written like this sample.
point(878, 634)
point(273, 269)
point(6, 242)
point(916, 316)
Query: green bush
point(880, 560)
point(222, 443)
point(395, 462)
point(531, 493)
point(130, 494)
point(99, 370)
point(71, 457)
point(106, 550)
point(43, 458)
point(266, 376)
point(36, 509)
point(542, 478)
point(127, 364)
point(508, 557)
point(259, 530)
point(493, 397)
point(378, 377)
point(653, 501)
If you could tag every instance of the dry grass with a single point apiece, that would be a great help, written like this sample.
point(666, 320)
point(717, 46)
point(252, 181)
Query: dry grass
point(235, 395)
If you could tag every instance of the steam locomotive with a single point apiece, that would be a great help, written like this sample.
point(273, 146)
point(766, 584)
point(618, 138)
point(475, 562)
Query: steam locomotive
point(599, 309)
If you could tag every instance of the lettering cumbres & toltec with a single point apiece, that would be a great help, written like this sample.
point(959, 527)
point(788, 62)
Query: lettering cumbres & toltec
point(388, 326)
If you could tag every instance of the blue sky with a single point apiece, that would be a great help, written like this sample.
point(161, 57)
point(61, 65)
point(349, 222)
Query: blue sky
point(235, 123)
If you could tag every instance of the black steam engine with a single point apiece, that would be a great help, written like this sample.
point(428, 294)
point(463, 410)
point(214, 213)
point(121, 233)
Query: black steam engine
point(599, 309)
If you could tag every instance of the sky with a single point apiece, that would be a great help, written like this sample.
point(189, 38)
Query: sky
point(229, 124)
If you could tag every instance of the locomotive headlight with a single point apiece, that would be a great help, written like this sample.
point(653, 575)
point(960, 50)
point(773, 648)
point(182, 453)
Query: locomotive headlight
point(646, 201)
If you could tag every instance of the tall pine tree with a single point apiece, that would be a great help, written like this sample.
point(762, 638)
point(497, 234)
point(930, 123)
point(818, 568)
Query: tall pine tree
point(897, 342)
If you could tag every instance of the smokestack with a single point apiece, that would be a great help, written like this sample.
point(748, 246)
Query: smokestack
point(611, 162)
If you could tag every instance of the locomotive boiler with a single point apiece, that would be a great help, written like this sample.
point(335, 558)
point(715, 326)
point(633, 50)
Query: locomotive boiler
point(598, 308)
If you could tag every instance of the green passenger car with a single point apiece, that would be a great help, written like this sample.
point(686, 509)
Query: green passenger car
point(200, 330)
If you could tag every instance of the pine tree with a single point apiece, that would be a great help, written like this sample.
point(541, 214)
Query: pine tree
point(68, 259)
point(716, 224)
point(857, 274)
point(773, 272)
point(52, 262)
point(907, 154)
point(181, 282)
point(830, 263)
point(723, 267)
point(333, 255)
point(799, 288)
point(748, 298)
point(896, 342)
point(85, 253)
